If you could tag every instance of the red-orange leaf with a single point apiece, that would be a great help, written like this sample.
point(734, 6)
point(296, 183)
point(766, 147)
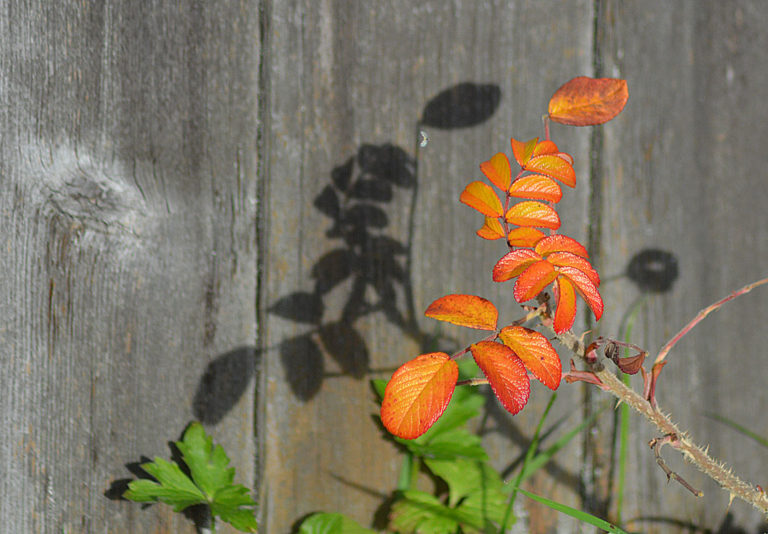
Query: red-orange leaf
point(418, 394)
point(560, 243)
point(545, 147)
point(554, 167)
point(533, 280)
point(513, 263)
point(587, 101)
point(465, 310)
point(481, 197)
point(566, 259)
point(537, 353)
point(505, 373)
point(587, 290)
point(532, 213)
point(525, 236)
point(523, 151)
point(536, 186)
point(497, 170)
point(491, 229)
point(565, 312)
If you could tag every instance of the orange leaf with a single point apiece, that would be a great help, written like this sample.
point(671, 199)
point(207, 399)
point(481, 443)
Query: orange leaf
point(491, 229)
point(533, 280)
point(565, 312)
point(566, 157)
point(554, 167)
point(418, 394)
point(525, 236)
point(560, 243)
point(566, 259)
point(505, 373)
point(523, 151)
point(481, 197)
point(465, 310)
point(587, 101)
point(531, 213)
point(536, 186)
point(545, 147)
point(537, 353)
point(586, 289)
point(497, 170)
point(513, 263)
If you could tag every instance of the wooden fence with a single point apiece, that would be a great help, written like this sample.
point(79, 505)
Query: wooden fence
point(223, 211)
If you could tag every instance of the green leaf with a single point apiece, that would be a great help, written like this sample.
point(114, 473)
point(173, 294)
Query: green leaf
point(240, 518)
point(207, 464)
point(325, 523)
point(464, 477)
point(448, 445)
point(481, 509)
point(173, 487)
point(577, 514)
point(422, 513)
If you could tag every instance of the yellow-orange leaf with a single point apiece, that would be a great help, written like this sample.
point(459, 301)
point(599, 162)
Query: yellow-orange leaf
point(565, 157)
point(587, 101)
point(524, 236)
point(418, 394)
point(465, 310)
point(505, 373)
point(532, 213)
point(553, 166)
point(533, 280)
point(586, 289)
point(560, 243)
point(497, 170)
point(565, 312)
point(513, 263)
point(566, 259)
point(536, 186)
point(545, 147)
point(491, 229)
point(481, 197)
point(537, 353)
point(523, 151)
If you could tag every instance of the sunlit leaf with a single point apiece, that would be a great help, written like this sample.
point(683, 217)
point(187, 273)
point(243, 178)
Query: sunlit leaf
point(505, 372)
point(565, 312)
point(536, 186)
point(464, 310)
point(533, 280)
point(545, 147)
point(524, 236)
point(566, 259)
point(481, 197)
point(513, 263)
point(418, 394)
point(585, 101)
point(537, 353)
point(565, 157)
point(586, 289)
point(492, 229)
point(523, 151)
point(497, 170)
point(560, 243)
point(532, 213)
point(554, 167)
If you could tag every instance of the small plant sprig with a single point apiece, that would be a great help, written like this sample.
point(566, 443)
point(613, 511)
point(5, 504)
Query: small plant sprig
point(210, 482)
point(421, 389)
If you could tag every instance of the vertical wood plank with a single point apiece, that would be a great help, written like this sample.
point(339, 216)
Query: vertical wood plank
point(684, 171)
point(127, 199)
point(348, 82)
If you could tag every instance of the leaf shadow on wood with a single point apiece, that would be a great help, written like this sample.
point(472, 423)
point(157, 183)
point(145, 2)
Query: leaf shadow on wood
point(367, 262)
point(223, 384)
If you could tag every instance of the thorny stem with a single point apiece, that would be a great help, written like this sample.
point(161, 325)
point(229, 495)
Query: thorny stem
point(692, 452)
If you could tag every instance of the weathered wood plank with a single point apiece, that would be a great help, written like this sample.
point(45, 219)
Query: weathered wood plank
point(128, 162)
point(684, 171)
point(348, 82)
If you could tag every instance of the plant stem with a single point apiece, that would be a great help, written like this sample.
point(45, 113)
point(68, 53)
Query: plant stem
point(692, 452)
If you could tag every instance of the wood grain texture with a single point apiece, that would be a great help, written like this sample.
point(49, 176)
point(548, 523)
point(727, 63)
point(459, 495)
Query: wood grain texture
point(684, 171)
point(348, 83)
point(127, 199)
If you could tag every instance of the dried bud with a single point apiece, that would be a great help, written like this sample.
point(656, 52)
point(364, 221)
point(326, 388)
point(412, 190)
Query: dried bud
point(632, 364)
point(612, 352)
